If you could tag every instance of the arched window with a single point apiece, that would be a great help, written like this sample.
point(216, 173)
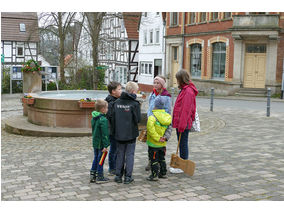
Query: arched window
point(218, 60)
point(195, 60)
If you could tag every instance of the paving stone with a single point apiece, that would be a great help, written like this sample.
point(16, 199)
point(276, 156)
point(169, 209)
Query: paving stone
point(233, 162)
point(232, 197)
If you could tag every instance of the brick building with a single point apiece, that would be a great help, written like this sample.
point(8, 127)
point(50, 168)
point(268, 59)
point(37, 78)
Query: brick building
point(229, 51)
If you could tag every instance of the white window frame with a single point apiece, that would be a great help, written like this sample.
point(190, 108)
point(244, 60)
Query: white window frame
point(22, 27)
point(20, 46)
point(157, 36)
point(146, 65)
point(145, 37)
point(171, 19)
point(151, 37)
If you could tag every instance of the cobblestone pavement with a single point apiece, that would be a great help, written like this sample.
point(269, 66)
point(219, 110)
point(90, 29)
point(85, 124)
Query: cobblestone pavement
point(238, 156)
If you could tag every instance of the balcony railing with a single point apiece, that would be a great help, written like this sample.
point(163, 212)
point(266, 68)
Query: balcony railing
point(255, 21)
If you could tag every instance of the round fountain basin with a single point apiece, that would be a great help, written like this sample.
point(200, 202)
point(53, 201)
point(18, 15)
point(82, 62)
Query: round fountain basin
point(61, 109)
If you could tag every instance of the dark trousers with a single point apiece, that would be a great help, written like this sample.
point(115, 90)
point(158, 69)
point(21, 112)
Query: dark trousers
point(183, 146)
point(158, 162)
point(95, 166)
point(125, 159)
point(112, 153)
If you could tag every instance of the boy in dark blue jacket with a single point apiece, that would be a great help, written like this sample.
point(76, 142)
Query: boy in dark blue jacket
point(114, 89)
point(126, 116)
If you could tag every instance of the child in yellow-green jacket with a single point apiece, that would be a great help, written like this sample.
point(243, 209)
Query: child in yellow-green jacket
point(158, 132)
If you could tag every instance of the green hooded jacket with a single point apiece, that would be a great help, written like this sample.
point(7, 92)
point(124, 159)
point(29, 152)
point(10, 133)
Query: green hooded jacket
point(100, 130)
point(156, 127)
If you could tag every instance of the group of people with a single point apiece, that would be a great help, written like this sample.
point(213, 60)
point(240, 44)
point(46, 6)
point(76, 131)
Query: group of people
point(115, 124)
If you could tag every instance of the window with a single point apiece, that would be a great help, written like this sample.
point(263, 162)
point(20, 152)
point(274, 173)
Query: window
point(157, 36)
point(146, 68)
point(192, 18)
point(22, 27)
point(125, 75)
point(202, 17)
point(174, 19)
point(145, 37)
point(219, 60)
point(150, 69)
point(151, 37)
point(157, 13)
point(227, 15)
point(214, 16)
point(145, 14)
point(256, 48)
point(20, 51)
point(175, 53)
point(195, 60)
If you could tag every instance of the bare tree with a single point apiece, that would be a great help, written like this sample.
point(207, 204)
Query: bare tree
point(59, 23)
point(94, 23)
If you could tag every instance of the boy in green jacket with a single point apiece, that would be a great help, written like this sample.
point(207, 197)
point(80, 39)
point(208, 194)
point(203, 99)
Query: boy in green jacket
point(158, 132)
point(100, 141)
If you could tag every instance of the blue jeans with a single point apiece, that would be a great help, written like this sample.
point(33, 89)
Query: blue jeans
point(112, 153)
point(183, 146)
point(97, 157)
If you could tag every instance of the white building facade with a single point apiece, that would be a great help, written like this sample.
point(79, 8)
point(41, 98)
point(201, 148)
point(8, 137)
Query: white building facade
point(151, 49)
point(113, 48)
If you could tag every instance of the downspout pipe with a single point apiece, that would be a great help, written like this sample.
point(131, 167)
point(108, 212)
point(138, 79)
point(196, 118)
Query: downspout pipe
point(182, 47)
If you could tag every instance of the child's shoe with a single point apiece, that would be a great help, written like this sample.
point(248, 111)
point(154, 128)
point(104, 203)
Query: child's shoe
point(148, 167)
point(152, 178)
point(118, 179)
point(112, 172)
point(102, 179)
point(175, 170)
point(128, 180)
point(162, 176)
point(93, 176)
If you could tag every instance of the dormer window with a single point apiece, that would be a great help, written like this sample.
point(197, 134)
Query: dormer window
point(22, 27)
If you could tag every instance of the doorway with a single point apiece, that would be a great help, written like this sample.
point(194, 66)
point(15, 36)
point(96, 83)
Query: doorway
point(175, 65)
point(255, 66)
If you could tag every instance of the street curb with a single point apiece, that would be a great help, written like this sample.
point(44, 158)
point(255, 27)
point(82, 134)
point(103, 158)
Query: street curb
point(242, 98)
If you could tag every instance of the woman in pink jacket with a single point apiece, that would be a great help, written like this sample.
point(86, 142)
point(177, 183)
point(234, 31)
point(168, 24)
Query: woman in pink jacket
point(184, 112)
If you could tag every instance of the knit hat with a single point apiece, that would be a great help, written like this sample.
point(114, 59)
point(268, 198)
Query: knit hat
point(159, 102)
point(161, 81)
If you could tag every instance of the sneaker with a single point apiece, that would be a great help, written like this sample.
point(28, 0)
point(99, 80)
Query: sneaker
point(102, 179)
point(152, 178)
point(93, 177)
point(111, 172)
point(148, 167)
point(128, 180)
point(162, 176)
point(118, 179)
point(175, 170)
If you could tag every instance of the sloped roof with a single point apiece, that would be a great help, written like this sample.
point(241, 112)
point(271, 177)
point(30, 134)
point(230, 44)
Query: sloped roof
point(131, 22)
point(10, 26)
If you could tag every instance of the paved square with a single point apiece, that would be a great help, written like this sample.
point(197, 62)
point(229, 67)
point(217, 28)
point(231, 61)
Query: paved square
point(238, 156)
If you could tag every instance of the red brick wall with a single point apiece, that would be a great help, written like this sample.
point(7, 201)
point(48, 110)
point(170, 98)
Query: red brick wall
point(173, 30)
point(206, 38)
point(145, 87)
point(280, 57)
point(280, 51)
point(214, 26)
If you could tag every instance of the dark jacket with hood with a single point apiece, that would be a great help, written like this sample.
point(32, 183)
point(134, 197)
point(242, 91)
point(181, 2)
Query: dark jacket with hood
point(125, 116)
point(110, 99)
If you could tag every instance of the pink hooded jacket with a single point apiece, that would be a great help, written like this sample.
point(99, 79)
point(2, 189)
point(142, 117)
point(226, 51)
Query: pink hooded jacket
point(185, 107)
